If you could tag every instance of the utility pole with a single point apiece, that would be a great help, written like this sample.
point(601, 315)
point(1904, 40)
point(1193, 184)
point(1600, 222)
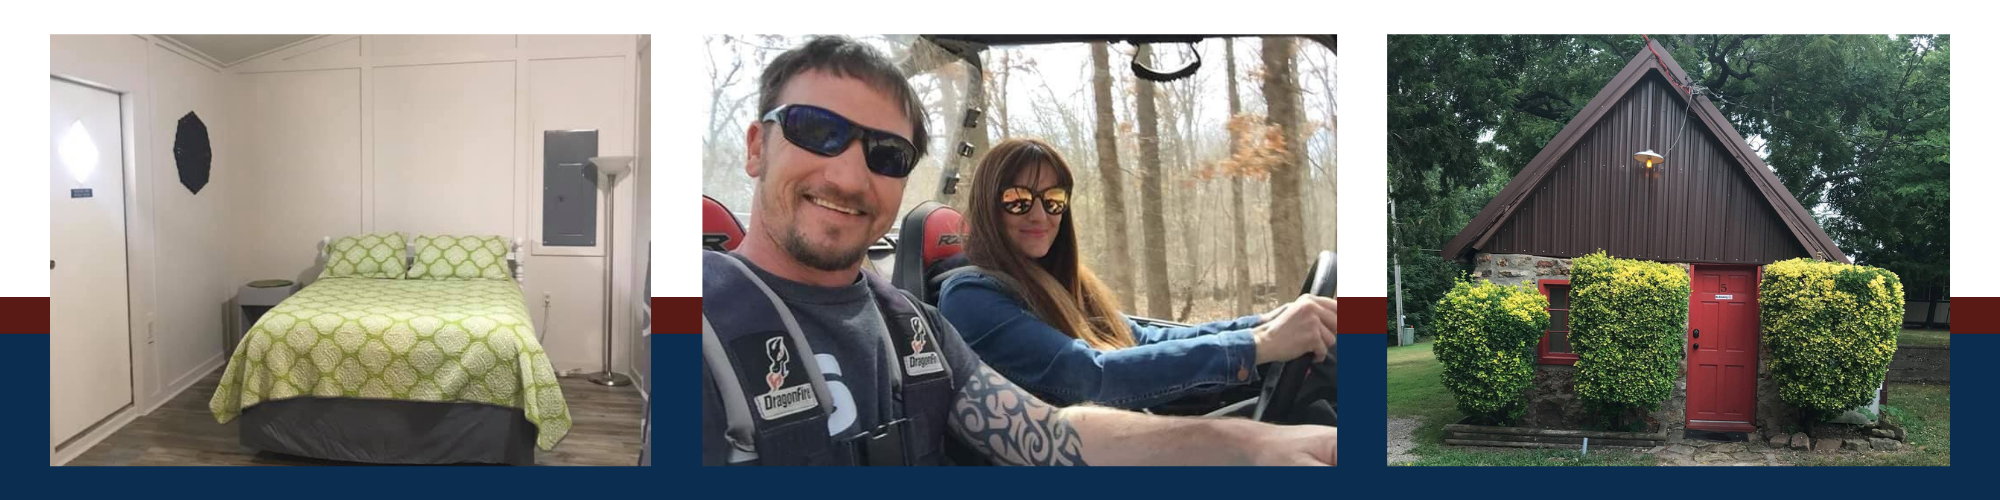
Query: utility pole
point(1396, 257)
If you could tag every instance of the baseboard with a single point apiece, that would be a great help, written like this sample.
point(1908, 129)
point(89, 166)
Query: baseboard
point(95, 435)
point(117, 421)
point(575, 368)
point(186, 380)
point(639, 382)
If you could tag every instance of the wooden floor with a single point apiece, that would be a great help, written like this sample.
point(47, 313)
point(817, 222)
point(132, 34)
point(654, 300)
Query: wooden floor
point(604, 431)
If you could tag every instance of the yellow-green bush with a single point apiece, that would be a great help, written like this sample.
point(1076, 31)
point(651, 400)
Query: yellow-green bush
point(1627, 319)
point(1832, 330)
point(1486, 336)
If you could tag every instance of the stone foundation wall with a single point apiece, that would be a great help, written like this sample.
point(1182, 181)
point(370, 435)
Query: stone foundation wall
point(1773, 415)
point(1552, 400)
point(1672, 414)
point(1514, 268)
point(1553, 404)
point(1509, 269)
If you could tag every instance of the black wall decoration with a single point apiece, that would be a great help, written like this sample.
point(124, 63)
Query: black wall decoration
point(191, 153)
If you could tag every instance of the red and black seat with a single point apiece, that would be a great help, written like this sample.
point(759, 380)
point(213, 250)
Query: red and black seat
point(932, 241)
point(720, 230)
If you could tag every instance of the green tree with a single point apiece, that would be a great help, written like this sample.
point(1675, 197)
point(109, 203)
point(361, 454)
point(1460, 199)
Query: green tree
point(1857, 126)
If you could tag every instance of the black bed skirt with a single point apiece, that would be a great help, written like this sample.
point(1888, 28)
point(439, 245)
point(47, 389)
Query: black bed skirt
point(390, 432)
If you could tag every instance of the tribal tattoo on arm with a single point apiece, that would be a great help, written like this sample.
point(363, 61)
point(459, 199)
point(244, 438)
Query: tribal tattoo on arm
point(1010, 426)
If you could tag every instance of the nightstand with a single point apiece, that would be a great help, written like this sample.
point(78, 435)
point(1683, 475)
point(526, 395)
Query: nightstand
point(252, 301)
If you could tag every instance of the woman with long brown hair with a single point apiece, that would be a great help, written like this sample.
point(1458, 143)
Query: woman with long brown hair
point(1036, 314)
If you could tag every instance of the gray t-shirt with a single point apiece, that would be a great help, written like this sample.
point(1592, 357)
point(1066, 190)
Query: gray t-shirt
point(844, 329)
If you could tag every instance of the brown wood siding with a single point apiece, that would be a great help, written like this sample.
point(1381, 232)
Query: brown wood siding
point(1697, 207)
point(1696, 213)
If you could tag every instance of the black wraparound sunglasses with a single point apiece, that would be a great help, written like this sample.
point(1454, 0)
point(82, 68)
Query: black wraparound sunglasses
point(826, 133)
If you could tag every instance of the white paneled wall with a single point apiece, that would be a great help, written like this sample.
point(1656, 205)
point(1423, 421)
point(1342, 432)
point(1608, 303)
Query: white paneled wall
point(191, 246)
point(559, 43)
point(642, 221)
point(444, 149)
point(435, 134)
point(298, 141)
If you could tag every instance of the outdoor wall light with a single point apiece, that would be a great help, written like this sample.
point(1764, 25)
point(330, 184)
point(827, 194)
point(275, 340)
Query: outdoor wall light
point(1649, 157)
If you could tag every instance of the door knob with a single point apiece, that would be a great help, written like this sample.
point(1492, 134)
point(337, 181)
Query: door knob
point(1697, 333)
point(1697, 347)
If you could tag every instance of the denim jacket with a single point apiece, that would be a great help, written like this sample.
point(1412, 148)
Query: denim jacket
point(1167, 363)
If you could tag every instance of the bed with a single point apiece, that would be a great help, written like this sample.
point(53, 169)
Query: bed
point(396, 371)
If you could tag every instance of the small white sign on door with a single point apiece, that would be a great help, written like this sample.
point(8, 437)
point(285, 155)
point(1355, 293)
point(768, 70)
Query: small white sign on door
point(1724, 297)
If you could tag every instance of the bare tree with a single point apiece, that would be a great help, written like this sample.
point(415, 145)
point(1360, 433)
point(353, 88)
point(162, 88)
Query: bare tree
point(1152, 218)
point(1237, 221)
point(1318, 78)
point(1281, 96)
point(722, 143)
point(1177, 103)
point(999, 75)
point(1120, 274)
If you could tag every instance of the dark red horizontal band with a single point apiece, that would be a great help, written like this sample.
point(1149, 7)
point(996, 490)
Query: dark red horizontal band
point(1975, 315)
point(676, 314)
point(24, 315)
point(1364, 315)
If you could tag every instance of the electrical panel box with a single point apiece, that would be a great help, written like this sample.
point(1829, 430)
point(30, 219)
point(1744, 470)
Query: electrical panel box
point(569, 188)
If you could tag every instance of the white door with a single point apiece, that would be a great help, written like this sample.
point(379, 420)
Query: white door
point(90, 361)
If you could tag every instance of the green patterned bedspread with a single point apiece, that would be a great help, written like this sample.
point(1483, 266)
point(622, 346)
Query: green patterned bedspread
point(465, 341)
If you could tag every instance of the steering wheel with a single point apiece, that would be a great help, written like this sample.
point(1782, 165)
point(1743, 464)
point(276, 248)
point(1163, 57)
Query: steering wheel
point(1301, 391)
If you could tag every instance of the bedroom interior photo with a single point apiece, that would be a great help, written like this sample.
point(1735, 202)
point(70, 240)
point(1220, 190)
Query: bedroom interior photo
point(349, 249)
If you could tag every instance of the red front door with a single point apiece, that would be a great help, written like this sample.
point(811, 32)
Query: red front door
point(1722, 348)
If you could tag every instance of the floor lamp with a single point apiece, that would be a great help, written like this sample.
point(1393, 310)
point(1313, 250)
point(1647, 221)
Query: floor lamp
point(611, 167)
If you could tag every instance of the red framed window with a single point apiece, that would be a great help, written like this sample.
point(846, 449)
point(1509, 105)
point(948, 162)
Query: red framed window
point(1554, 348)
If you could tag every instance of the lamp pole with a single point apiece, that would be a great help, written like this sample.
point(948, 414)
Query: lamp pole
point(611, 167)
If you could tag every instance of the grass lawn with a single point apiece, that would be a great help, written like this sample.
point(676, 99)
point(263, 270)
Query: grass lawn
point(1414, 391)
point(1925, 411)
point(1924, 337)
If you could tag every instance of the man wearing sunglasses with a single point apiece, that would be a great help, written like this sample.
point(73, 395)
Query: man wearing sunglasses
point(809, 359)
